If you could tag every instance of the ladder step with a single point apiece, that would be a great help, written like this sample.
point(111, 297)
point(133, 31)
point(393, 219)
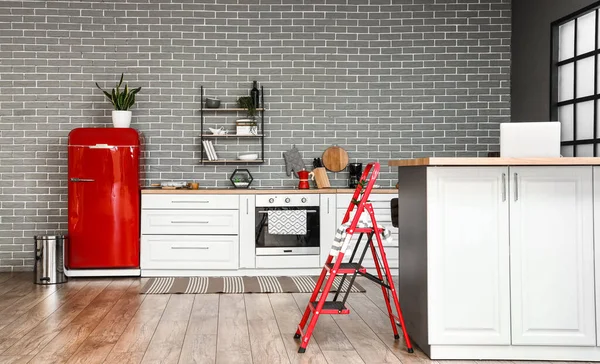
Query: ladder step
point(331, 308)
point(347, 268)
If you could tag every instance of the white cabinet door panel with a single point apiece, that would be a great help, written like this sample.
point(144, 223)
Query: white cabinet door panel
point(552, 256)
point(189, 252)
point(468, 256)
point(247, 226)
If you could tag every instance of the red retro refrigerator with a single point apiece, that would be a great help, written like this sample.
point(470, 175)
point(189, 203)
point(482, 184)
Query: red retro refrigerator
point(104, 202)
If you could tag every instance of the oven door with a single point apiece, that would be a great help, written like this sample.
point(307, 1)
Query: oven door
point(287, 244)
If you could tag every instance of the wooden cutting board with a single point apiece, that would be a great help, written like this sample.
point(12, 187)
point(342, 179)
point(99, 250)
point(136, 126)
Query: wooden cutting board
point(335, 158)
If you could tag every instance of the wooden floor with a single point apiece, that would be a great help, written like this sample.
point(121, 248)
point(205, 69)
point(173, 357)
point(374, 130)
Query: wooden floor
point(108, 321)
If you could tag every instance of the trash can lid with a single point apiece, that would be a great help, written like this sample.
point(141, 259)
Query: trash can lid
point(49, 237)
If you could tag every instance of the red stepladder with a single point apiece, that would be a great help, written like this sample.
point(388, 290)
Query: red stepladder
point(318, 304)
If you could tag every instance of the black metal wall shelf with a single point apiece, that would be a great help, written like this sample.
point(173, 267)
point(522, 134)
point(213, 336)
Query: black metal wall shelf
point(203, 135)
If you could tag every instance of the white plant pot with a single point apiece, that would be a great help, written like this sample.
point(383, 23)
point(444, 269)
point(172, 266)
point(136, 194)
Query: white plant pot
point(121, 118)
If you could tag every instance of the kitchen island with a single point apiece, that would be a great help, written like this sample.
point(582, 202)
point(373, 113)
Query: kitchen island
point(500, 257)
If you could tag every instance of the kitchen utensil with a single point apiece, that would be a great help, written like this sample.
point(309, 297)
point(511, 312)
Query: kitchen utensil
point(335, 158)
point(194, 185)
point(248, 157)
point(303, 184)
point(212, 103)
point(355, 170)
point(319, 175)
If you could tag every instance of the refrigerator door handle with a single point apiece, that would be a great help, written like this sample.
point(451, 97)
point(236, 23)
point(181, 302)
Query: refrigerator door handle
point(82, 180)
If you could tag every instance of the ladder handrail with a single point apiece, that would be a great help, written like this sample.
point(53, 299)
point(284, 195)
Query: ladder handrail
point(370, 174)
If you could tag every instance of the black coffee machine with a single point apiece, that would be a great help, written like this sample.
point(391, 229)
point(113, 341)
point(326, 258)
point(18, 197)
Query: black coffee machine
point(355, 170)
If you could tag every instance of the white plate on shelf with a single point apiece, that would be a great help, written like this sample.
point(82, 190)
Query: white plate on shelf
point(248, 157)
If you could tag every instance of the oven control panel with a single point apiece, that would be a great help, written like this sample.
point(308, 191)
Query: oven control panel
point(291, 200)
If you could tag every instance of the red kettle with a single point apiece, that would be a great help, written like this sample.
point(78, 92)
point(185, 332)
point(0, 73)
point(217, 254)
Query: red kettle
point(303, 175)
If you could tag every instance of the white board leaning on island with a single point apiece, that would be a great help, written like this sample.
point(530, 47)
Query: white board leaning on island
point(530, 139)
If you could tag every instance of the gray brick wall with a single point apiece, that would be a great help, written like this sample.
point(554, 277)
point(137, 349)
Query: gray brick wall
point(383, 78)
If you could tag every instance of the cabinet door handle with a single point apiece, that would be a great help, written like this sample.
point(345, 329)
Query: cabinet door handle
point(516, 187)
point(247, 212)
point(189, 222)
point(327, 205)
point(503, 187)
point(189, 247)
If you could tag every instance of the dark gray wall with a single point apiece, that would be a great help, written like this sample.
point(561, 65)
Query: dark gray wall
point(530, 58)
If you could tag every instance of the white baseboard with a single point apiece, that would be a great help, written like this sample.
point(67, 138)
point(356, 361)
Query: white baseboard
point(102, 272)
point(514, 352)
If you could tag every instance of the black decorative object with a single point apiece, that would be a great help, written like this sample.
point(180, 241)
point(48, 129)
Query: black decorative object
point(241, 178)
point(254, 94)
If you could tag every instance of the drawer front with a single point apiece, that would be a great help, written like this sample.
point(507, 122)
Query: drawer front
point(189, 252)
point(186, 201)
point(380, 200)
point(216, 222)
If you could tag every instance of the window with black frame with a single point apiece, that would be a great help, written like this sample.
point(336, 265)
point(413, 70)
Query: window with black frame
point(575, 81)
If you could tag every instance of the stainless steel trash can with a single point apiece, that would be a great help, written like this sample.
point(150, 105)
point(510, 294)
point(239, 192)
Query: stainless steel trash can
point(49, 259)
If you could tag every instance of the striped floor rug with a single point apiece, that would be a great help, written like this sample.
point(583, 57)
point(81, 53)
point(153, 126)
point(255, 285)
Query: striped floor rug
point(259, 284)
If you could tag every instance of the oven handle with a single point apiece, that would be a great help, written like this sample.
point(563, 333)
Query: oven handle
point(264, 212)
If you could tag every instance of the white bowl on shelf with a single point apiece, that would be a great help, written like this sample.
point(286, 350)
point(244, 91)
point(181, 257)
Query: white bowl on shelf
point(220, 131)
point(248, 157)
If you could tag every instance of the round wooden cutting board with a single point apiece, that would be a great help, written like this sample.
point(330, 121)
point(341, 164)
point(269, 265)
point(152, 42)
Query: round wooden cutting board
point(335, 158)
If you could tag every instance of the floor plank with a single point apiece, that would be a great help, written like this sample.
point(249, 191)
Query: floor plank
point(26, 303)
point(200, 343)
point(167, 342)
point(41, 334)
point(98, 345)
point(20, 323)
point(343, 357)
point(233, 341)
point(14, 359)
point(265, 339)
point(134, 341)
point(288, 316)
point(366, 343)
point(73, 335)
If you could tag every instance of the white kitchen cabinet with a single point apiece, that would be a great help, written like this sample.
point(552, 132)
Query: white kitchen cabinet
point(190, 252)
point(552, 256)
point(189, 232)
point(468, 251)
point(327, 224)
point(247, 227)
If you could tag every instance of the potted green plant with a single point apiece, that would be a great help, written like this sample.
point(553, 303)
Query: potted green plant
point(122, 101)
point(247, 126)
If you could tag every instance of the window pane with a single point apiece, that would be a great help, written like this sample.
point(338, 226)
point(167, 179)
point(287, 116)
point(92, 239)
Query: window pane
point(565, 116)
point(565, 82)
point(585, 77)
point(566, 40)
point(566, 150)
point(585, 150)
point(585, 120)
point(586, 33)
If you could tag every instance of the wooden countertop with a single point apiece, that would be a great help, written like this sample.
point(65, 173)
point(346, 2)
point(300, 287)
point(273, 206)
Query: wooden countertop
point(566, 161)
point(250, 191)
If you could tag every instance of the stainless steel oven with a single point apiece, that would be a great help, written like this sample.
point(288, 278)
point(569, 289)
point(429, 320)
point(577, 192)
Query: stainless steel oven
point(270, 242)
